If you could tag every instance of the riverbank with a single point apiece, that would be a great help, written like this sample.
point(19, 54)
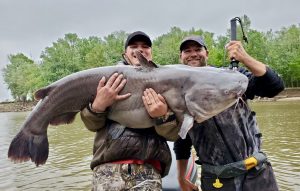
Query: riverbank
point(17, 106)
point(289, 94)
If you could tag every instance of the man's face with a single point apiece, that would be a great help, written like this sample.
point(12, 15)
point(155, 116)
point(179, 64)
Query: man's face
point(140, 46)
point(194, 55)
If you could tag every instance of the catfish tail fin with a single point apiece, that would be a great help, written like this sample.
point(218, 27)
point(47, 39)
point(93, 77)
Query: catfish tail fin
point(26, 146)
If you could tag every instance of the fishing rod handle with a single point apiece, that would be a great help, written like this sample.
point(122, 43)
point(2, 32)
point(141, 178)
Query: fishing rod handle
point(234, 64)
point(233, 29)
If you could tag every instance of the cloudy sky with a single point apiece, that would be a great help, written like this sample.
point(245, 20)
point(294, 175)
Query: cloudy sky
point(29, 26)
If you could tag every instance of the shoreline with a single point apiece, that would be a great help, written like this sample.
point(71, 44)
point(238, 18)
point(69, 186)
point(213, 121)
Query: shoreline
point(28, 106)
point(17, 106)
point(289, 94)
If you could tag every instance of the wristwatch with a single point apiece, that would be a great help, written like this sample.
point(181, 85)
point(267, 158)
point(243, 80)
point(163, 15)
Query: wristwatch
point(169, 116)
point(90, 108)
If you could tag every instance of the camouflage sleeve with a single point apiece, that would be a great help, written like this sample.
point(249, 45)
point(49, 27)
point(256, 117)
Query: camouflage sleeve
point(167, 127)
point(93, 121)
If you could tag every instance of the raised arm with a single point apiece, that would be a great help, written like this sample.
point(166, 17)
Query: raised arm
point(263, 81)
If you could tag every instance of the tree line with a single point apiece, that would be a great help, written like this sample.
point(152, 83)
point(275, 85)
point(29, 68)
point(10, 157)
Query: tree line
point(278, 49)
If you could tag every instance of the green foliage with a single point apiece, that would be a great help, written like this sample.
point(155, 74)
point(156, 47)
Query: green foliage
point(21, 75)
point(106, 52)
point(257, 46)
point(166, 47)
point(61, 59)
point(279, 49)
point(114, 47)
point(284, 53)
point(87, 49)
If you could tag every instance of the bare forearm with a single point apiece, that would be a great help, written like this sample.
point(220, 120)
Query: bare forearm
point(256, 67)
point(185, 184)
point(181, 169)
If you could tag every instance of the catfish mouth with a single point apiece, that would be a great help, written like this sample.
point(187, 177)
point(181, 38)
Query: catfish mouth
point(239, 94)
point(238, 91)
point(235, 93)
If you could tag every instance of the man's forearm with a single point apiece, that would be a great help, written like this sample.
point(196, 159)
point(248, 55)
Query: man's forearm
point(185, 184)
point(256, 67)
point(167, 127)
point(92, 121)
point(181, 169)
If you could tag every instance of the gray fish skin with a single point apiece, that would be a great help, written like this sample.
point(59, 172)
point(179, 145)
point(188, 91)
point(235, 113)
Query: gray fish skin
point(199, 92)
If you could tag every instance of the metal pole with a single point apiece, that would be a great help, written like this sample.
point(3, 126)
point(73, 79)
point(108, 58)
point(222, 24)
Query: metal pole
point(234, 64)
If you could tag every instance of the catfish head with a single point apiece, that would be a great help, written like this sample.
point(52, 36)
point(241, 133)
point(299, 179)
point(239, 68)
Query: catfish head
point(211, 93)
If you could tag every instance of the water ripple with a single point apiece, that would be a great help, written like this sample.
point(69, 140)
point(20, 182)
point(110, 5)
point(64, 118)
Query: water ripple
point(70, 152)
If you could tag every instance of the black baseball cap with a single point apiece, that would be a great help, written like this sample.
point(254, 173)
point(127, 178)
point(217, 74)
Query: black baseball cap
point(138, 36)
point(198, 39)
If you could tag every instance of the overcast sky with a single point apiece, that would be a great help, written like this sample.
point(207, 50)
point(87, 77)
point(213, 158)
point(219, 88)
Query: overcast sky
point(29, 26)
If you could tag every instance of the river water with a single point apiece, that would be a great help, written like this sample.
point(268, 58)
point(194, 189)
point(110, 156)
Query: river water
point(67, 167)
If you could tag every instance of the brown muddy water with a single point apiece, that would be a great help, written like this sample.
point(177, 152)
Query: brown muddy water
point(67, 167)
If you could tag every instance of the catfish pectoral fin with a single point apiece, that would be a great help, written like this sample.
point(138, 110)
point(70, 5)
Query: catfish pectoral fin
point(187, 124)
point(64, 118)
point(26, 146)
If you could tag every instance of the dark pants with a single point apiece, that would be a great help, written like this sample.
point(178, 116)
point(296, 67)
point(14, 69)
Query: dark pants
point(255, 180)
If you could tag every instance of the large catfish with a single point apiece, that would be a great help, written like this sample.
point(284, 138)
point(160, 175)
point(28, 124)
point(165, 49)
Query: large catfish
point(192, 93)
